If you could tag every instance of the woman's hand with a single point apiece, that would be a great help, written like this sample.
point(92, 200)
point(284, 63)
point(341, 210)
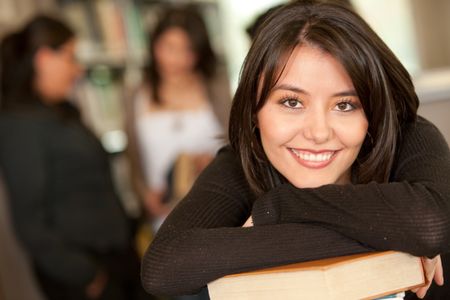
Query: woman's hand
point(433, 270)
point(95, 288)
point(249, 222)
point(154, 205)
point(201, 161)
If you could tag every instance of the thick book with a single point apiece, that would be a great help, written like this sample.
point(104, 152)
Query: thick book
point(361, 276)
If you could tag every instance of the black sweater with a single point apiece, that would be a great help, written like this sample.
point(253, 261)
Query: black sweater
point(202, 239)
point(64, 206)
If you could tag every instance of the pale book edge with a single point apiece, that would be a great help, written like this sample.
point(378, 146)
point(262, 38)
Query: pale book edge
point(323, 265)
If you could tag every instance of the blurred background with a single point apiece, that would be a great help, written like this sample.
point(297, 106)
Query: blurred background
point(113, 49)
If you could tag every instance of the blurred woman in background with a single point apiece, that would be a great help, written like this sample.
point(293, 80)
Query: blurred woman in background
point(64, 206)
point(180, 109)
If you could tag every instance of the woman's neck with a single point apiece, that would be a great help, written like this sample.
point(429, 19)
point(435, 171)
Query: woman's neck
point(179, 80)
point(186, 91)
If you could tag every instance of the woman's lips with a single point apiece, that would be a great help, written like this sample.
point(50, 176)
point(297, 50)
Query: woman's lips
point(313, 159)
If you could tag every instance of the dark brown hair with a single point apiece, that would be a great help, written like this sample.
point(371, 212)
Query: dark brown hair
point(383, 85)
point(259, 20)
point(17, 51)
point(190, 21)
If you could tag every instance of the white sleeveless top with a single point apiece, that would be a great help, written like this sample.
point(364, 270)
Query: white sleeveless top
point(164, 135)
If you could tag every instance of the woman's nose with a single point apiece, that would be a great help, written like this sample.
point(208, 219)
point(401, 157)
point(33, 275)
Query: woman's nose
point(317, 127)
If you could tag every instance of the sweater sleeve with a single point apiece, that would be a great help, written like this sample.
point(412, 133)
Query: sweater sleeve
point(202, 239)
point(410, 214)
point(23, 163)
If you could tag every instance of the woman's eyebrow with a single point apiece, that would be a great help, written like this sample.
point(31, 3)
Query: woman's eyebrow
point(296, 89)
point(346, 93)
point(290, 87)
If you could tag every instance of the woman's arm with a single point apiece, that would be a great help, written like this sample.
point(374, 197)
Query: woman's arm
point(199, 241)
point(202, 240)
point(411, 214)
point(132, 150)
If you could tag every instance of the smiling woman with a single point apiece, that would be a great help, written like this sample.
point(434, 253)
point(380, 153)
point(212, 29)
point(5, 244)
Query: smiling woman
point(311, 130)
point(327, 157)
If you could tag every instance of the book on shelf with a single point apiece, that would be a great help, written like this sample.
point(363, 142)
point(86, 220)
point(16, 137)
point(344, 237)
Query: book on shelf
point(360, 276)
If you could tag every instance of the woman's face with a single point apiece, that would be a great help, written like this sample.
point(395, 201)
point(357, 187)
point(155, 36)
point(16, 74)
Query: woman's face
point(56, 72)
point(312, 125)
point(173, 53)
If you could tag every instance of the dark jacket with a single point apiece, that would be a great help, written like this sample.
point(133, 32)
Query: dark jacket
point(63, 202)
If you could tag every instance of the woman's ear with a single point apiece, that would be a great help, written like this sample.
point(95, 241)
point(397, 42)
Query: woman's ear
point(45, 74)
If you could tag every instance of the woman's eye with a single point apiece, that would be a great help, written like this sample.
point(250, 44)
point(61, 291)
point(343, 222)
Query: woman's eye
point(345, 106)
point(292, 103)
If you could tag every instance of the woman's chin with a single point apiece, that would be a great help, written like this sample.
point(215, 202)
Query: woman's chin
point(310, 183)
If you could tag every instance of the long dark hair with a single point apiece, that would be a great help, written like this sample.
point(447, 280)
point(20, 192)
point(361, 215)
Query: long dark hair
point(383, 85)
point(17, 51)
point(190, 21)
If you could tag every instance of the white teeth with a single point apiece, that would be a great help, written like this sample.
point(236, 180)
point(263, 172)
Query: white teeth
point(313, 157)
